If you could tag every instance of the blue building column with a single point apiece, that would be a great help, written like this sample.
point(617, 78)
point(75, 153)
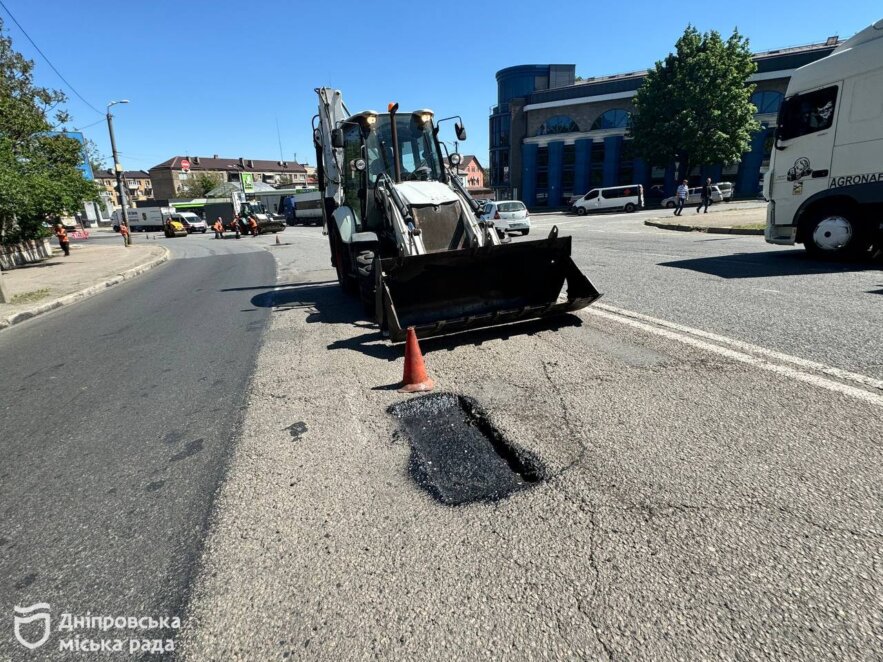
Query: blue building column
point(749, 171)
point(529, 174)
point(670, 184)
point(556, 171)
point(612, 149)
point(582, 165)
point(642, 174)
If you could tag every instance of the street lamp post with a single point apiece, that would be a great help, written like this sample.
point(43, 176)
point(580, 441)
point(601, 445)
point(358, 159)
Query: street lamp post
point(118, 170)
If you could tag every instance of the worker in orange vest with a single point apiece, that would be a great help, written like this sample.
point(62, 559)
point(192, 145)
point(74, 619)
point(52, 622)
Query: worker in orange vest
point(218, 227)
point(124, 231)
point(63, 241)
point(234, 225)
point(253, 226)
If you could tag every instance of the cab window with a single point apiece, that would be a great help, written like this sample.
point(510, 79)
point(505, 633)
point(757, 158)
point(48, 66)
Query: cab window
point(807, 113)
point(591, 195)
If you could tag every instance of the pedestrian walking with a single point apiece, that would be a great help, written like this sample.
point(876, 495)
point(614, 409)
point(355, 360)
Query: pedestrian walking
point(681, 200)
point(706, 196)
point(124, 233)
point(63, 241)
point(218, 227)
point(253, 226)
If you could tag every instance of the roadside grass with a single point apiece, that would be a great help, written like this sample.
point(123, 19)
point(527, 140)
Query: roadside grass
point(751, 226)
point(31, 297)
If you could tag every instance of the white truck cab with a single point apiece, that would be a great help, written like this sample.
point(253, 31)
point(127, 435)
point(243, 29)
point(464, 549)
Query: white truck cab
point(825, 182)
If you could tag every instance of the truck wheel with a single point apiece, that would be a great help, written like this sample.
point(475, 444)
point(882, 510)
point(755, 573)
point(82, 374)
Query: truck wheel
point(630, 207)
point(580, 211)
point(834, 236)
point(365, 267)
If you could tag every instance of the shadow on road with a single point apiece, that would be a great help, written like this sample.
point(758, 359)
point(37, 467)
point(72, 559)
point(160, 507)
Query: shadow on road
point(767, 265)
point(325, 303)
point(374, 345)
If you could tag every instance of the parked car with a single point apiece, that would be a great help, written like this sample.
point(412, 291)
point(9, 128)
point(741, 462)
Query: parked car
point(507, 216)
point(726, 189)
point(655, 192)
point(191, 221)
point(694, 197)
point(630, 198)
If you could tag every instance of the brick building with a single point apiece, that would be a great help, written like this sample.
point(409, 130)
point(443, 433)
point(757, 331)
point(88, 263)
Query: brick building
point(471, 172)
point(169, 176)
point(137, 182)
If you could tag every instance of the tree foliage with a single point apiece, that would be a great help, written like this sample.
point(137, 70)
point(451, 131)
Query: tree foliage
point(695, 106)
point(39, 177)
point(198, 184)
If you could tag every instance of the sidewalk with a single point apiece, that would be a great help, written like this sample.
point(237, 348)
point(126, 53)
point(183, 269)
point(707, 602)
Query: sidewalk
point(59, 281)
point(719, 220)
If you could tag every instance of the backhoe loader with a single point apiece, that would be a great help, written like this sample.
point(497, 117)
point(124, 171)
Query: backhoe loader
point(407, 236)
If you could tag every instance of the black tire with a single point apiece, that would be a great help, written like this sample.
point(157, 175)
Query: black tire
point(630, 207)
point(669, 205)
point(367, 289)
point(834, 235)
point(580, 211)
point(524, 233)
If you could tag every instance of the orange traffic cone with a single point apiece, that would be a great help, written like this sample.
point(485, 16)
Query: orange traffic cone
point(415, 378)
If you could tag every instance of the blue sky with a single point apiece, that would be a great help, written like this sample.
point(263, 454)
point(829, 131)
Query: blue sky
point(214, 77)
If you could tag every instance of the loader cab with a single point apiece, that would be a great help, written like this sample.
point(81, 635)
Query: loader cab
point(370, 151)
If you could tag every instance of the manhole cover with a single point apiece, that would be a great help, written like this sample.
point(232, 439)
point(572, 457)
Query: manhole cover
point(456, 453)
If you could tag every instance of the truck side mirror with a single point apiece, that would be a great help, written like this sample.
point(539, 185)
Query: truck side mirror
point(337, 138)
point(460, 130)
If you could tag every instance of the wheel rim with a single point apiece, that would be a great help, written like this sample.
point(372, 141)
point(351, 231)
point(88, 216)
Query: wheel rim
point(832, 233)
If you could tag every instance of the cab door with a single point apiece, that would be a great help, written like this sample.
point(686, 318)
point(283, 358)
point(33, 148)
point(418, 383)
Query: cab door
point(804, 143)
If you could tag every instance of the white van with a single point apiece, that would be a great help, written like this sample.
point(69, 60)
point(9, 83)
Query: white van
point(629, 198)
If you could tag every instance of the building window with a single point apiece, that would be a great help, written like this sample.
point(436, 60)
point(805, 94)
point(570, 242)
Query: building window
point(542, 175)
point(568, 161)
point(626, 163)
point(596, 173)
point(767, 102)
point(557, 124)
point(616, 118)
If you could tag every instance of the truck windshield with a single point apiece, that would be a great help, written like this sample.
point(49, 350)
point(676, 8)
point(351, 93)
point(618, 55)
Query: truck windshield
point(417, 151)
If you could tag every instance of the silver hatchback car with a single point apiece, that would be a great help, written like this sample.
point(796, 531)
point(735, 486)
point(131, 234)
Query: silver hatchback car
point(507, 216)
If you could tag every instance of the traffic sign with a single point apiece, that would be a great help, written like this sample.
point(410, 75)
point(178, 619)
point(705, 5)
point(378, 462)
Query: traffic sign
point(185, 165)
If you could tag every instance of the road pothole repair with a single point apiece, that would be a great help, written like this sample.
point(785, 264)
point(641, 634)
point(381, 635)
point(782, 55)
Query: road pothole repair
point(457, 455)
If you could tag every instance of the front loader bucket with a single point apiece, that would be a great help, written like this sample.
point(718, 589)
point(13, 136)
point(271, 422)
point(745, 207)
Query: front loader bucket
point(455, 290)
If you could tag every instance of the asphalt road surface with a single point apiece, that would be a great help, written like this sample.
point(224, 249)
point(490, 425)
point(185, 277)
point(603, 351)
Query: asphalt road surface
point(710, 458)
point(117, 418)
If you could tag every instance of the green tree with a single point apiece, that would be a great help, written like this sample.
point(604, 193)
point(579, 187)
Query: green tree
point(96, 160)
point(198, 184)
point(695, 106)
point(39, 177)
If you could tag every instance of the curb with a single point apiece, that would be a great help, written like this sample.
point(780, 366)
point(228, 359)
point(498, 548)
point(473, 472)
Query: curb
point(696, 228)
point(68, 299)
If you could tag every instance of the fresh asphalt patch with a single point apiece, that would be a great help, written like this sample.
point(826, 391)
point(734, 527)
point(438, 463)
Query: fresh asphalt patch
point(457, 455)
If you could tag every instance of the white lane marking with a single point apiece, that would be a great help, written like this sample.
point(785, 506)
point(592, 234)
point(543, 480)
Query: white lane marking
point(839, 373)
point(691, 337)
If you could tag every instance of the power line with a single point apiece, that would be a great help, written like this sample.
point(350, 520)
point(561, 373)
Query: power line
point(71, 87)
point(88, 125)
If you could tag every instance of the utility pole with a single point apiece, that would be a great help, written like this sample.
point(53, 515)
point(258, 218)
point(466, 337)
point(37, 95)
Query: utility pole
point(118, 171)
